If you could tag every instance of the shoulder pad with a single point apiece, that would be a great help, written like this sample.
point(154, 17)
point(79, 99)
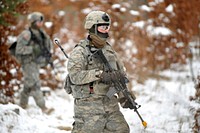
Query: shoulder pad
point(83, 43)
point(26, 34)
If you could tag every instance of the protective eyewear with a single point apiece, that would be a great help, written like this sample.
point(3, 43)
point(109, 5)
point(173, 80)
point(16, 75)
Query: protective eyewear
point(103, 28)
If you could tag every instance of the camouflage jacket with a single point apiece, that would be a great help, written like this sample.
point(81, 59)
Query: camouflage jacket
point(29, 49)
point(84, 70)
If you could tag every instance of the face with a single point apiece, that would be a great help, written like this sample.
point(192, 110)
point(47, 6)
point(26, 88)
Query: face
point(103, 28)
point(39, 24)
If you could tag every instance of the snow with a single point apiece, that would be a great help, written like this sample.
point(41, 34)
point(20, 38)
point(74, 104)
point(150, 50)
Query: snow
point(146, 8)
point(165, 106)
point(179, 44)
point(139, 24)
point(134, 13)
point(158, 30)
point(115, 24)
point(163, 18)
point(48, 24)
point(169, 8)
point(154, 31)
point(155, 2)
point(17, 120)
point(123, 9)
point(115, 6)
point(11, 39)
point(61, 13)
point(86, 10)
point(3, 82)
point(13, 71)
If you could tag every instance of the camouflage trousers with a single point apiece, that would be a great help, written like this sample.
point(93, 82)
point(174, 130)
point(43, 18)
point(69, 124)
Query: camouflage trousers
point(98, 115)
point(31, 85)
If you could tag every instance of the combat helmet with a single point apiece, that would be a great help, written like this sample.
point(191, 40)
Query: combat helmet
point(35, 16)
point(96, 18)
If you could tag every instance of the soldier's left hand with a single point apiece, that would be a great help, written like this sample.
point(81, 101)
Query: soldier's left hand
point(125, 103)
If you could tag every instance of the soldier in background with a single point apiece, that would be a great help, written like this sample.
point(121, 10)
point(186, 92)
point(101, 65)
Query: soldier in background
point(33, 51)
point(94, 111)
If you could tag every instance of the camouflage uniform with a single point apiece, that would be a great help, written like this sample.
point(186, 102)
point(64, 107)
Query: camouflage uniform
point(28, 51)
point(94, 112)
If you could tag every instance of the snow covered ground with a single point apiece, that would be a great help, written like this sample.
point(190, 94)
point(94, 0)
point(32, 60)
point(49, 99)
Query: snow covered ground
point(165, 107)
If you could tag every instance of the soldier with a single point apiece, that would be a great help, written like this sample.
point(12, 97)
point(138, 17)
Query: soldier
point(33, 48)
point(94, 111)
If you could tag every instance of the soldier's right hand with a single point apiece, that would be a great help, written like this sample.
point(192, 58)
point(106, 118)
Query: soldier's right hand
point(106, 77)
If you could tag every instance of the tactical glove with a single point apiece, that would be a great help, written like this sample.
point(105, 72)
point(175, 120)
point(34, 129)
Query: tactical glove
point(114, 76)
point(107, 77)
point(125, 103)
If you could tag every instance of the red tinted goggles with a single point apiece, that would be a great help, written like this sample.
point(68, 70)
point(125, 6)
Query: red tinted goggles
point(103, 28)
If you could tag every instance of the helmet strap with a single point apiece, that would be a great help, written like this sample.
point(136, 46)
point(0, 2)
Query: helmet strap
point(95, 29)
point(34, 25)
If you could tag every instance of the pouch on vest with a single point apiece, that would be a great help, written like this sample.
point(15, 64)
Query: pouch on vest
point(78, 91)
point(67, 85)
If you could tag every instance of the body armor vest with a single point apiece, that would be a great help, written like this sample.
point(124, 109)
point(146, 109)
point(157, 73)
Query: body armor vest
point(99, 88)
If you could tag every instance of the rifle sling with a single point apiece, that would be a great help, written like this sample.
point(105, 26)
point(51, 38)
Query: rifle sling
point(118, 86)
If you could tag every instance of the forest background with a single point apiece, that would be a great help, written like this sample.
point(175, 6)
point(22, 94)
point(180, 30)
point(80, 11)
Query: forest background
point(134, 24)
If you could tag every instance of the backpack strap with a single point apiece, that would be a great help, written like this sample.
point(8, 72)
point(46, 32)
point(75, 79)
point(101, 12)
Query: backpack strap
point(33, 37)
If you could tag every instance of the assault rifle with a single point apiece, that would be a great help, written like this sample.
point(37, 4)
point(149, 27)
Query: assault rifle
point(45, 51)
point(119, 84)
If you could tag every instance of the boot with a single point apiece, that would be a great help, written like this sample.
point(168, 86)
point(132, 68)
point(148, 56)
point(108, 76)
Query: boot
point(47, 111)
point(23, 106)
